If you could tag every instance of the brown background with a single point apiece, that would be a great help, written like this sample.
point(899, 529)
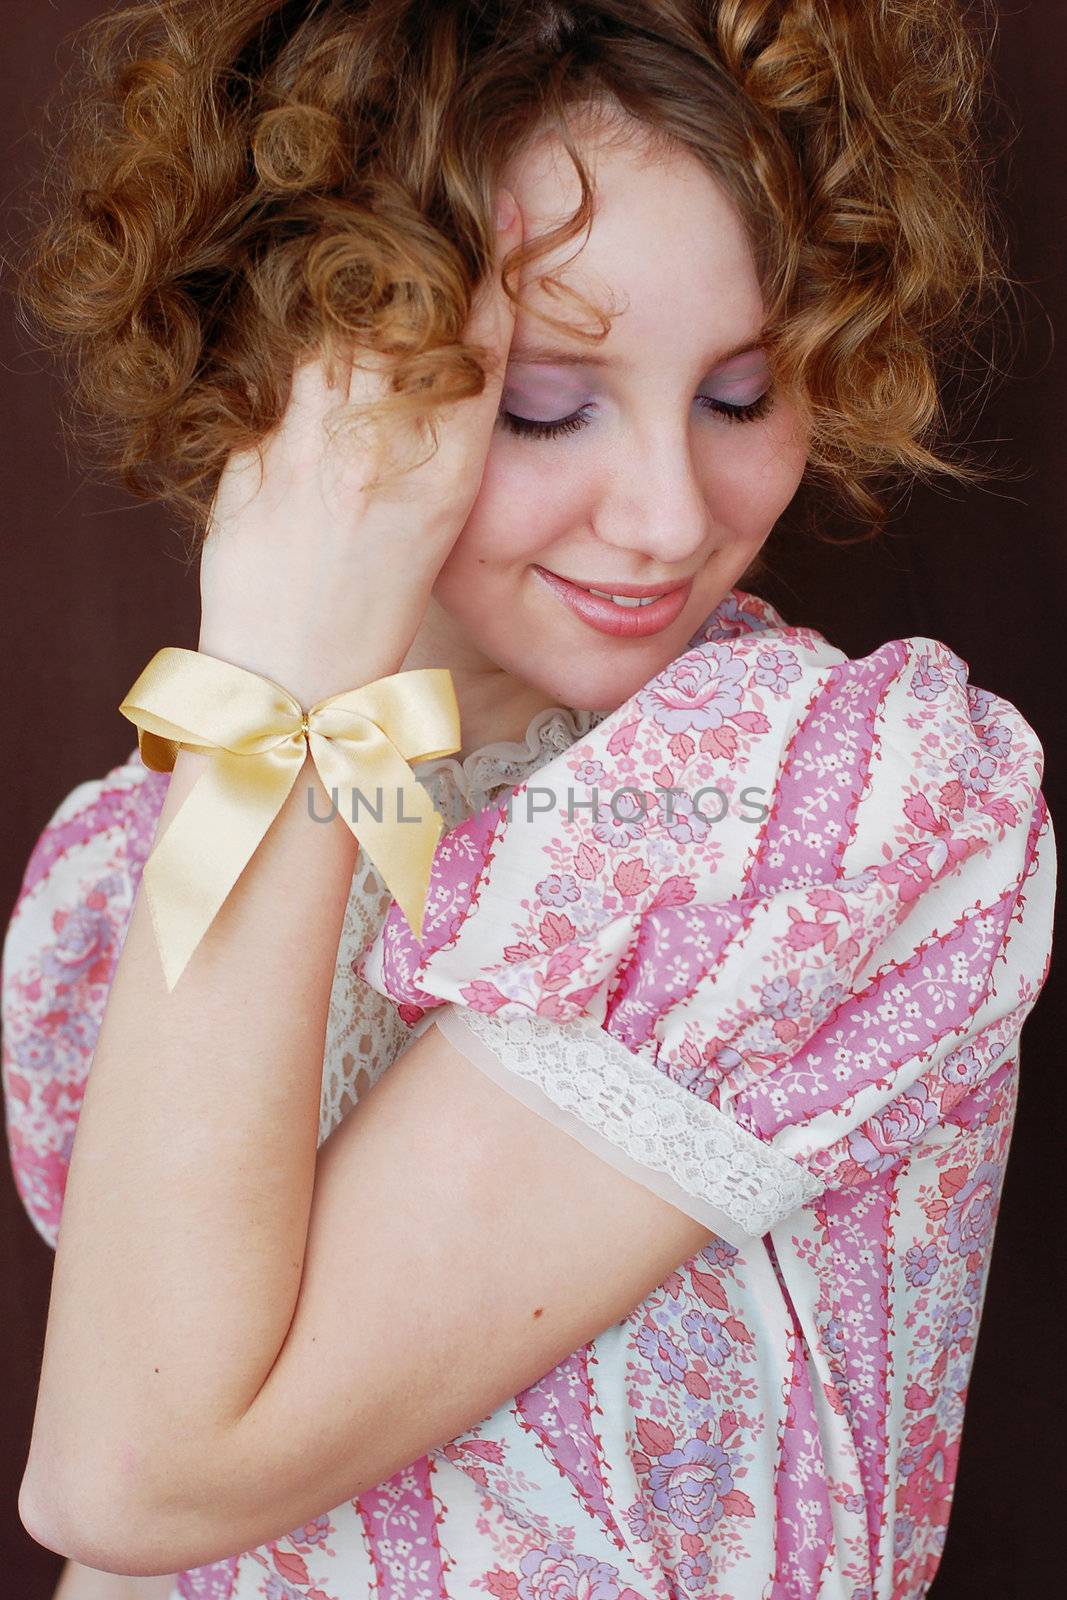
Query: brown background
point(93, 586)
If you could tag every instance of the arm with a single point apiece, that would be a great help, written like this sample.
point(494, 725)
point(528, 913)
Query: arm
point(238, 1334)
point(204, 1381)
point(85, 1583)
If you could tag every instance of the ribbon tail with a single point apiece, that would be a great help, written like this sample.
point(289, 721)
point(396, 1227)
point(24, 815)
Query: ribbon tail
point(389, 812)
point(207, 845)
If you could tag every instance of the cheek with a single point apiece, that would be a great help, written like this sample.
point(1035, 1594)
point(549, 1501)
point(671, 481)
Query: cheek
point(518, 512)
point(751, 480)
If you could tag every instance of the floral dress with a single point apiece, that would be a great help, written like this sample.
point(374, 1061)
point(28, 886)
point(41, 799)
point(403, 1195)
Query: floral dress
point(764, 938)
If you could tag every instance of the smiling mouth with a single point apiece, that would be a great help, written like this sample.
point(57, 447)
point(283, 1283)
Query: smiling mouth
point(625, 611)
point(626, 594)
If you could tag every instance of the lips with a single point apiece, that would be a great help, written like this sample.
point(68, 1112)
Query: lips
point(632, 591)
point(626, 622)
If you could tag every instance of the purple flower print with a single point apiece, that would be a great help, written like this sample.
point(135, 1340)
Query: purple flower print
point(920, 1264)
point(962, 1066)
point(957, 667)
point(729, 619)
point(957, 1327)
point(77, 1032)
point(928, 681)
point(780, 998)
point(969, 1218)
point(637, 1519)
point(660, 1349)
point(903, 1534)
point(692, 1573)
point(823, 1004)
point(84, 937)
point(36, 1053)
point(691, 1484)
point(558, 1574)
point(973, 768)
point(620, 824)
point(315, 1532)
point(834, 1336)
point(972, 1285)
point(979, 703)
point(707, 1337)
point(859, 883)
point(996, 741)
point(278, 1589)
point(718, 1253)
point(558, 889)
point(776, 669)
point(698, 691)
point(590, 772)
point(878, 1143)
point(687, 821)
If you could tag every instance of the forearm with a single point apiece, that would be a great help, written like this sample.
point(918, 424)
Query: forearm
point(185, 1217)
point(86, 1583)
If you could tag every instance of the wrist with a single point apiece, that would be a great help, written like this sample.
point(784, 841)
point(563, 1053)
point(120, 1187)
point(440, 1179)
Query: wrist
point(308, 681)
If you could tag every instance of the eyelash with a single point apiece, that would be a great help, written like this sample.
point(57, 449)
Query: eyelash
point(528, 429)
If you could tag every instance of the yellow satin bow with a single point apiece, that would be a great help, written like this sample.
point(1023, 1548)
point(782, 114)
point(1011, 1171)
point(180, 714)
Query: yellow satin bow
point(360, 740)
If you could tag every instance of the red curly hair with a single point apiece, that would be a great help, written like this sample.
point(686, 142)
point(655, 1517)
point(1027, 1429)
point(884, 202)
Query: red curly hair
point(238, 182)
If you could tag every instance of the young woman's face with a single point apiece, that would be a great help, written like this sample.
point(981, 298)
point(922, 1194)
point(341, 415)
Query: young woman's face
point(663, 463)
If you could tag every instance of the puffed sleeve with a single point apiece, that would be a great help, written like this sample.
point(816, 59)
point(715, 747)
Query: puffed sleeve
point(779, 981)
point(61, 948)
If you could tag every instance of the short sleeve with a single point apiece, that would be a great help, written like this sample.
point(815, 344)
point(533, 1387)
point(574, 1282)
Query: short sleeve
point(60, 951)
point(748, 1012)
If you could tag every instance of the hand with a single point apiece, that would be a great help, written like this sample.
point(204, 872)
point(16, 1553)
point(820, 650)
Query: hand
point(309, 577)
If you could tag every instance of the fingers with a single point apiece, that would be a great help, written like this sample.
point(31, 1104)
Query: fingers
point(492, 320)
point(361, 379)
point(467, 427)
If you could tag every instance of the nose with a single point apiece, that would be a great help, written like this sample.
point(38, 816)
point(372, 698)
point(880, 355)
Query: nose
point(654, 502)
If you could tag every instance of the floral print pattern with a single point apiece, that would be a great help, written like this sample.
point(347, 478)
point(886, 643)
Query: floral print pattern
point(816, 893)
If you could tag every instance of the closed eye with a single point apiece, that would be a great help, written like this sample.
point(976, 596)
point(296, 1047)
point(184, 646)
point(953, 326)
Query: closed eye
point(528, 428)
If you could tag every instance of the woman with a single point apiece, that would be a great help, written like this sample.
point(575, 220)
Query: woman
point(654, 1267)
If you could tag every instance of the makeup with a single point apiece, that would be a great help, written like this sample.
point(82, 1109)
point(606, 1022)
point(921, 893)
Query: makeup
point(623, 622)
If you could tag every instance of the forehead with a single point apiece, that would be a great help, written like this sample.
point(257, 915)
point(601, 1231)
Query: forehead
point(667, 241)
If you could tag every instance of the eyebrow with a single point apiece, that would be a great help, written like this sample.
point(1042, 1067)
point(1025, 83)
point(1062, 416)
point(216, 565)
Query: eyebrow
point(564, 355)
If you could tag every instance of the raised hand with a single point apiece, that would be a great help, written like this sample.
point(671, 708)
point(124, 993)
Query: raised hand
point(313, 578)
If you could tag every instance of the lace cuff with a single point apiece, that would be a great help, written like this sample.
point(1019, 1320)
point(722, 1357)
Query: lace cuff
point(619, 1106)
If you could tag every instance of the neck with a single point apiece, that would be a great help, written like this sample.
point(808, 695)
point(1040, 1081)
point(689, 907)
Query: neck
point(493, 703)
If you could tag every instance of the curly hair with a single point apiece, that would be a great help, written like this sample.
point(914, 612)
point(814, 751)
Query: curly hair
point(236, 183)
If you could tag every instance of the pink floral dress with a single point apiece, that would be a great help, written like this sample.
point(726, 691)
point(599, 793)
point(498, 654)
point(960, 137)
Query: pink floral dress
point(764, 937)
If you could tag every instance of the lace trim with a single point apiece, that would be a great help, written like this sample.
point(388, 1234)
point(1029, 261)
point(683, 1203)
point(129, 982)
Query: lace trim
point(628, 1112)
point(508, 761)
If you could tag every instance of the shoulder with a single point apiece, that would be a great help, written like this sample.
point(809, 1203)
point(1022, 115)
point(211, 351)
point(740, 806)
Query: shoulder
point(104, 824)
point(60, 949)
point(749, 668)
point(761, 764)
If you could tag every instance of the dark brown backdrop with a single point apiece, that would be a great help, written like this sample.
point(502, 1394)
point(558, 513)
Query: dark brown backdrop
point(93, 587)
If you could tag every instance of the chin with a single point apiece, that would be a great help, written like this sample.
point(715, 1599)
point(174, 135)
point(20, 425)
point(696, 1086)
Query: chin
point(599, 686)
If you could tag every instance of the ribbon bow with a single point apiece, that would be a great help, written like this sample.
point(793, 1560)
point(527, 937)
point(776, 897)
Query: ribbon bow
point(361, 742)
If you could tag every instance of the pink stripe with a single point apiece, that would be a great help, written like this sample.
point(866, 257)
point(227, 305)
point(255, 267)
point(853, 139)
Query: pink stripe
point(213, 1582)
point(460, 862)
point(557, 1410)
point(813, 814)
point(859, 1227)
point(803, 1523)
point(400, 1519)
point(132, 813)
point(856, 1029)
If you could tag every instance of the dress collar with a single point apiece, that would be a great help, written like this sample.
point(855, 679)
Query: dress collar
point(461, 788)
